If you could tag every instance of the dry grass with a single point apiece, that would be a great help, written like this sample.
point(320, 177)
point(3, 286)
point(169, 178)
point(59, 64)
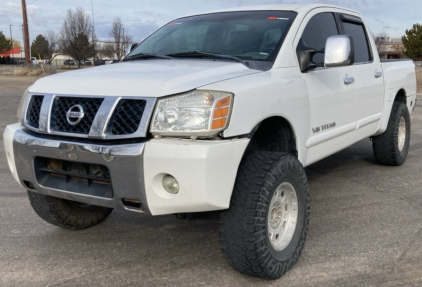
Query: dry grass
point(26, 71)
point(419, 79)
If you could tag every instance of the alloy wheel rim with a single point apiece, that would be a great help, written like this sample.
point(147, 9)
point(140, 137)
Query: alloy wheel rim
point(282, 216)
point(402, 133)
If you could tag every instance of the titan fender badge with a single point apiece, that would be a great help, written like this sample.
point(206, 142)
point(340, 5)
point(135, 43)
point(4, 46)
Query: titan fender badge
point(75, 112)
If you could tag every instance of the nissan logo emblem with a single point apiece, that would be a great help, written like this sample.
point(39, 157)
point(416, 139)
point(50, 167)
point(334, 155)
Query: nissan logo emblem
point(75, 115)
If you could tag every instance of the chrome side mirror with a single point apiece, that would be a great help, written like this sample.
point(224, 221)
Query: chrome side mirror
point(130, 47)
point(339, 51)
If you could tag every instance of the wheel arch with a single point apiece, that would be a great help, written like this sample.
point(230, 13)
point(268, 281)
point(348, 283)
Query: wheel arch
point(275, 133)
point(401, 96)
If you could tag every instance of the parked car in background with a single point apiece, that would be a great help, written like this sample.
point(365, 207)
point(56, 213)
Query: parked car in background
point(99, 62)
point(34, 61)
point(19, 61)
point(86, 62)
point(108, 61)
point(69, 62)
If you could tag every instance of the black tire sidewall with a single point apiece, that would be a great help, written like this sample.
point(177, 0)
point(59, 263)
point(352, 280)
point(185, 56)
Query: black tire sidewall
point(386, 145)
point(301, 193)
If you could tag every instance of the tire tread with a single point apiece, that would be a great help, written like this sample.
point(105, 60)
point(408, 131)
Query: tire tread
point(244, 247)
point(385, 146)
point(61, 213)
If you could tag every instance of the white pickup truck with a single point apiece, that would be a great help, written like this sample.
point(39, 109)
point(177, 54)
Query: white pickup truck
point(218, 111)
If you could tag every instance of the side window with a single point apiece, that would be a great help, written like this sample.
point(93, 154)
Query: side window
point(361, 47)
point(318, 29)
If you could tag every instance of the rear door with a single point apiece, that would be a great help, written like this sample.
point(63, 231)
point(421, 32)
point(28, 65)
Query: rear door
point(369, 83)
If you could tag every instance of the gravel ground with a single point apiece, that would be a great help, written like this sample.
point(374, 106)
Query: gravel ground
point(366, 229)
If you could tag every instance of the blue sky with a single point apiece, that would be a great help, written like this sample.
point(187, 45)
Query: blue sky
point(142, 17)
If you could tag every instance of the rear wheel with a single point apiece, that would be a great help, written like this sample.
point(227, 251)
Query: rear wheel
point(392, 147)
point(67, 214)
point(264, 230)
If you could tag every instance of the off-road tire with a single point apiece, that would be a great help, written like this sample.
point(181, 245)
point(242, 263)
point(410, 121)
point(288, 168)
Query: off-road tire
point(386, 146)
point(243, 232)
point(65, 213)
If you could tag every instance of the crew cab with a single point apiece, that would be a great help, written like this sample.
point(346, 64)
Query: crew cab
point(219, 111)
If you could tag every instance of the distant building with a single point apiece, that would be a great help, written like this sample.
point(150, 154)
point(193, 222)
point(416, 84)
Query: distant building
point(390, 47)
point(15, 55)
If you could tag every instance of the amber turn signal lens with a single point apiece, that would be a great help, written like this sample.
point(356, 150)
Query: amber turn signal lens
point(220, 113)
point(223, 102)
point(218, 124)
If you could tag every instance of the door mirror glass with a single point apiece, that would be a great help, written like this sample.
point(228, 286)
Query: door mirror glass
point(130, 47)
point(339, 51)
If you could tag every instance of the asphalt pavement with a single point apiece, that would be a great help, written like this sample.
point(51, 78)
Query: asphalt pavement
point(366, 230)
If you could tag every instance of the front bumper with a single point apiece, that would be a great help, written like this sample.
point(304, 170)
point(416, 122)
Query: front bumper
point(205, 170)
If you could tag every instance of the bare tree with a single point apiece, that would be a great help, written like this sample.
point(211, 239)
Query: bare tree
point(16, 43)
point(381, 39)
point(107, 50)
point(119, 37)
point(53, 44)
point(398, 48)
point(75, 35)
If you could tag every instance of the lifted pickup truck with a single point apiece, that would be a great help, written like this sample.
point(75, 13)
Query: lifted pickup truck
point(216, 111)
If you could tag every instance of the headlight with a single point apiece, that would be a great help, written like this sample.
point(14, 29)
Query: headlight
point(21, 106)
point(198, 113)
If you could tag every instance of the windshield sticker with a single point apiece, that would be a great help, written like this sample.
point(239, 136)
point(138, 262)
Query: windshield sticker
point(172, 24)
point(277, 18)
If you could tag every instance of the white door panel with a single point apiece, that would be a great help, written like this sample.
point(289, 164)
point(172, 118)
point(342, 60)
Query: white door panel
point(369, 93)
point(332, 108)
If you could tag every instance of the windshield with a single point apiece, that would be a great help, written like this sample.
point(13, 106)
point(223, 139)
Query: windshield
point(255, 36)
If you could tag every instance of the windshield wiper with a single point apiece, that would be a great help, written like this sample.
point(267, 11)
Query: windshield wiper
point(146, 56)
point(208, 54)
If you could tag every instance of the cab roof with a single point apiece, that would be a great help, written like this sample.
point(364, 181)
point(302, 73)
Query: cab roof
point(299, 8)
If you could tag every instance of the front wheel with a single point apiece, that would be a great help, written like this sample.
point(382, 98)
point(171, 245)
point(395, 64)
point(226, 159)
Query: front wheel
point(67, 214)
point(264, 231)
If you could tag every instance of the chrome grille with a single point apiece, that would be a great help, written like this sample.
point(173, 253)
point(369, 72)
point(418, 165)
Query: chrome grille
point(126, 117)
point(34, 109)
point(111, 117)
point(61, 106)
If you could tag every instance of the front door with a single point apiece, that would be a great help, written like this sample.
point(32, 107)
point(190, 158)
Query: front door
point(331, 99)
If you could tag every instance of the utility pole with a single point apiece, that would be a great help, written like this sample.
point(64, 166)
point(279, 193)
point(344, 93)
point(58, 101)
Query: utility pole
point(124, 43)
point(93, 32)
point(26, 33)
point(11, 42)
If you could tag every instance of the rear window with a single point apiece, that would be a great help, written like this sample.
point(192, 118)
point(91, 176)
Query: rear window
point(360, 42)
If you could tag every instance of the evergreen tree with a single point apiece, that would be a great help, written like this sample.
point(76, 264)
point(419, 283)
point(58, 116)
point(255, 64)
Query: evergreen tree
point(40, 47)
point(412, 42)
point(4, 44)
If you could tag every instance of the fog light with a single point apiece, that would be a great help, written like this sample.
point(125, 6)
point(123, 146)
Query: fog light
point(170, 184)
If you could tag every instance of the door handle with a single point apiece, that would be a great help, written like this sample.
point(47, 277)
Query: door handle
point(349, 80)
point(378, 74)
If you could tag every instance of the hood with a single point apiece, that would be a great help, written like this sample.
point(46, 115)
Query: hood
point(146, 78)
